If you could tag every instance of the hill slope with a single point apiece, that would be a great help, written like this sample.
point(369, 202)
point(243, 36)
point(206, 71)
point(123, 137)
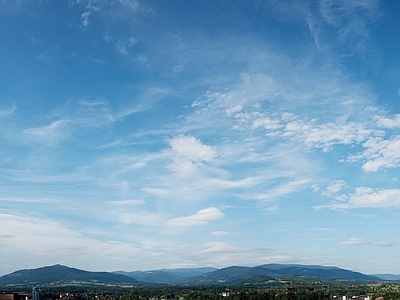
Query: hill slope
point(237, 275)
point(62, 275)
point(389, 277)
point(229, 275)
point(318, 271)
point(166, 276)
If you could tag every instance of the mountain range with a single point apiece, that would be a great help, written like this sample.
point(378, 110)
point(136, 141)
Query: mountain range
point(167, 276)
point(237, 275)
point(59, 275)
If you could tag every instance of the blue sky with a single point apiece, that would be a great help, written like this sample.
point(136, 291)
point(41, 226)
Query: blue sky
point(140, 135)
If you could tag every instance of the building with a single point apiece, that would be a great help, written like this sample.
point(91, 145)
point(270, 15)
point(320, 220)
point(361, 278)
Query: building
point(35, 294)
point(14, 296)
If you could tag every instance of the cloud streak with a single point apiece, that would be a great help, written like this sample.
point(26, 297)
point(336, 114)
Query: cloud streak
point(202, 217)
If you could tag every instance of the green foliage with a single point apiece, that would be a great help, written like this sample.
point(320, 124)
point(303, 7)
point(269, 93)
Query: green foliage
point(284, 291)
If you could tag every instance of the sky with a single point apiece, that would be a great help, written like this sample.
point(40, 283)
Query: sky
point(147, 134)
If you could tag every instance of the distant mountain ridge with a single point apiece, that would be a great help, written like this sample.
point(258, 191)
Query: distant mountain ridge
point(237, 275)
point(388, 277)
point(62, 275)
point(166, 276)
point(318, 271)
point(58, 275)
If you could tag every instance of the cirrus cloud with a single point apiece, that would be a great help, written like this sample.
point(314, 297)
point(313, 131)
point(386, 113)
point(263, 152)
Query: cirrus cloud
point(202, 217)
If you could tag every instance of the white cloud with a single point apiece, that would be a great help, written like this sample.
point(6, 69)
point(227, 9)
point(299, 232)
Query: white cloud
point(353, 241)
point(368, 197)
point(327, 135)
point(387, 122)
point(365, 197)
point(190, 148)
point(232, 110)
point(85, 18)
point(335, 187)
point(202, 217)
point(189, 154)
point(379, 153)
point(267, 123)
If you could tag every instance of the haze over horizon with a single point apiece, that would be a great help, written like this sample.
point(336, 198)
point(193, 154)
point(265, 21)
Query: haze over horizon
point(142, 134)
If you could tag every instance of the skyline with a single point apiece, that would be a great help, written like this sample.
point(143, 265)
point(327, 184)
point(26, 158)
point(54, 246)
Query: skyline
point(140, 135)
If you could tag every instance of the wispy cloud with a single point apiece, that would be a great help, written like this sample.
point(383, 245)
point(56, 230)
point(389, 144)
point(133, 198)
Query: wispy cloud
point(133, 4)
point(347, 22)
point(28, 230)
point(123, 46)
point(334, 188)
point(277, 192)
point(126, 202)
point(353, 241)
point(222, 254)
point(359, 241)
point(7, 111)
point(140, 217)
point(51, 54)
point(384, 244)
point(86, 115)
point(146, 100)
point(219, 233)
point(51, 134)
point(202, 217)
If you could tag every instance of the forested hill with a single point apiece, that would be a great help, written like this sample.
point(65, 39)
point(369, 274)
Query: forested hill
point(166, 276)
point(237, 275)
point(61, 275)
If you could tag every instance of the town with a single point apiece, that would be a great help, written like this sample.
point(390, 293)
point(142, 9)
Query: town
point(293, 291)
